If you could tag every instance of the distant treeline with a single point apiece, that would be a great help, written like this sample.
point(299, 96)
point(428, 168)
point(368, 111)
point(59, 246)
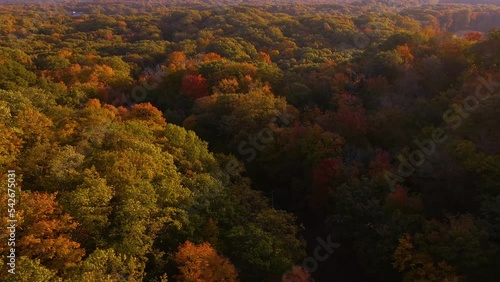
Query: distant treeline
point(495, 2)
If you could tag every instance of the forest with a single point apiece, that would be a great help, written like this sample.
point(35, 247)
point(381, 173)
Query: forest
point(259, 141)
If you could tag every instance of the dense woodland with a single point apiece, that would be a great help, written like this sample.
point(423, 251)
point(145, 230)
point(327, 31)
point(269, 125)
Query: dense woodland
point(204, 142)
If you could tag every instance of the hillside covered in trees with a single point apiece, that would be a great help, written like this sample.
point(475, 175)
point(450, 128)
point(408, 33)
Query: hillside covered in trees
point(257, 141)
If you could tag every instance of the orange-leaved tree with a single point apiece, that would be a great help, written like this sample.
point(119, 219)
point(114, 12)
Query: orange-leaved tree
point(297, 274)
point(43, 231)
point(201, 262)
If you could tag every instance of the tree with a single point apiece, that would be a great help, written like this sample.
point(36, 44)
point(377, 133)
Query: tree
point(325, 176)
point(10, 145)
point(405, 53)
point(90, 205)
point(202, 263)
point(177, 60)
point(227, 86)
point(230, 48)
point(349, 120)
point(29, 270)
point(264, 57)
point(45, 232)
point(14, 74)
point(239, 115)
point(419, 266)
point(260, 241)
point(473, 36)
point(211, 57)
point(297, 274)
point(108, 266)
point(194, 86)
point(444, 250)
point(147, 113)
point(93, 123)
point(386, 63)
point(35, 126)
point(52, 62)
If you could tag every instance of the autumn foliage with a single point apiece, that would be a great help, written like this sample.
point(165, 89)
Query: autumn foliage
point(45, 231)
point(202, 263)
point(297, 274)
point(346, 118)
point(473, 36)
point(194, 86)
point(145, 112)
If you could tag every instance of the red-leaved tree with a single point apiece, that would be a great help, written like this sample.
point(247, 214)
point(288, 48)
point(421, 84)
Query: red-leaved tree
point(194, 86)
